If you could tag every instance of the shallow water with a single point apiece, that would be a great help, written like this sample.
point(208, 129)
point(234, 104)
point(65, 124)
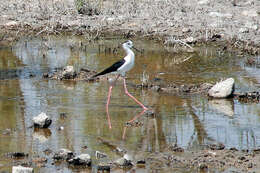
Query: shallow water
point(190, 121)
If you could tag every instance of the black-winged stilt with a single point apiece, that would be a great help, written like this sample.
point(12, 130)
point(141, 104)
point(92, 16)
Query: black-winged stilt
point(121, 67)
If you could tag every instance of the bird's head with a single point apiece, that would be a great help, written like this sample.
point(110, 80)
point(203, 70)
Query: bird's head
point(129, 44)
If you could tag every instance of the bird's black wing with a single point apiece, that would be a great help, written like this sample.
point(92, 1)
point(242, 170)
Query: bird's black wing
point(112, 68)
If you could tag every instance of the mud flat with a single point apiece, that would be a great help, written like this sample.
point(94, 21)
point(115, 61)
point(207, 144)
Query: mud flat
point(231, 24)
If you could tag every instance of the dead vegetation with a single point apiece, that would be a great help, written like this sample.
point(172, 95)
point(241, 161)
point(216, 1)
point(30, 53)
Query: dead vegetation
point(185, 21)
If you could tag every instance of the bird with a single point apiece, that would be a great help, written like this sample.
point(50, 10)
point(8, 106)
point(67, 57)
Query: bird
point(120, 68)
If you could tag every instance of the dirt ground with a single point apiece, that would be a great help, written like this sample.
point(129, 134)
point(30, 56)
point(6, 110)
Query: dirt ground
point(171, 21)
point(231, 24)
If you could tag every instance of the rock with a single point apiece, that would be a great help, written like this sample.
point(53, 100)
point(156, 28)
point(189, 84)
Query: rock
point(217, 14)
point(140, 162)
point(189, 40)
point(7, 132)
point(61, 128)
point(42, 121)
point(11, 24)
point(217, 146)
point(100, 155)
point(176, 148)
point(243, 30)
point(68, 72)
point(17, 155)
point(250, 13)
point(122, 162)
point(222, 89)
point(202, 2)
point(103, 167)
point(128, 157)
point(252, 26)
point(21, 169)
point(186, 30)
point(83, 159)
point(63, 154)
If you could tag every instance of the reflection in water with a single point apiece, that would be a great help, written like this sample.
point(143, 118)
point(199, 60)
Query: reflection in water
point(188, 121)
point(223, 106)
point(41, 134)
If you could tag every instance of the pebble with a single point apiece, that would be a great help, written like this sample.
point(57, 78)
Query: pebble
point(203, 2)
point(100, 155)
point(68, 72)
point(21, 169)
point(217, 14)
point(103, 167)
point(61, 128)
point(42, 120)
point(222, 89)
point(63, 154)
point(250, 13)
point(82, 159)
point(243, 30)
point(11, 24)
point(123, 162)
point(186, 30)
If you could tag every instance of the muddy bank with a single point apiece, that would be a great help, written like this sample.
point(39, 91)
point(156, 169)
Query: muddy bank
point(210, 157)
point(156, 84)
point(232, 24)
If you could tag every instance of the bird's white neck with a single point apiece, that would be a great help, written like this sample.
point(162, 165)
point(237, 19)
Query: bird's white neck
point(129, 52)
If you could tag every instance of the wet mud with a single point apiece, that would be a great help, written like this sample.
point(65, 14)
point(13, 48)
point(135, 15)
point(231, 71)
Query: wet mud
point(185, 132)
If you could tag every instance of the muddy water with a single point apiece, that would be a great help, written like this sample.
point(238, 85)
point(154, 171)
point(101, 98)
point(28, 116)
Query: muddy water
point(190, 121)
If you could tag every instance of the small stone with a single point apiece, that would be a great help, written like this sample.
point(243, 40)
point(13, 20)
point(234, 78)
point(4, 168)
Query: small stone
point(241, 157)
point(100, 155)
point(222, 89)
point(140, 162)
point(250, 13)
point(217, 14)
point(203, 2)
point(190, 40)
point(103, 167)
point(251, 26)
point(83, 159)
point(68, 72)
point(11, 24)
point(63, 154)
point(42, 120)
point(21, 169)
point(218, 146)
point(243, 30)
point(128, 157)
point(176, 148)
point(17, 155)
point(186, 30)
point(123, 162)
point(203, 166)
point(61, 128)
point(7, 132)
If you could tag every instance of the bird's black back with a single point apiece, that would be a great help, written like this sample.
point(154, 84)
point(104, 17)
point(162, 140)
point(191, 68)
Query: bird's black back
point(112, 68)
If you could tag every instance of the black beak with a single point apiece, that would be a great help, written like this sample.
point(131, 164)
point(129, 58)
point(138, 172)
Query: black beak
point(136, 49)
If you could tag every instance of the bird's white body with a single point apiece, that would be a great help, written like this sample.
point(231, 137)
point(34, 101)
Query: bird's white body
point(129, 60)
point(121, 67)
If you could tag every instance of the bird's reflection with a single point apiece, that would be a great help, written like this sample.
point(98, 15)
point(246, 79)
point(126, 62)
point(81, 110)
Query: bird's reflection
point(132, 120)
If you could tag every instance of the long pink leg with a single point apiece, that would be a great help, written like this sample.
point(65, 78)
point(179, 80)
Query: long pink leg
point(108, 101)
point(137, 116)
point(127, 93)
